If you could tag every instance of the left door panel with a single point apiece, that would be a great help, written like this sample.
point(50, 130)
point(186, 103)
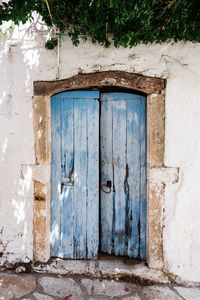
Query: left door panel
point(75, 175)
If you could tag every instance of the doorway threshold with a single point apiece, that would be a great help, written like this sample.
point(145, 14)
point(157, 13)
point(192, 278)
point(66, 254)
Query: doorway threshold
point(105, 267)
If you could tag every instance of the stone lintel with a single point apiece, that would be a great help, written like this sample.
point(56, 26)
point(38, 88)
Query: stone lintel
point(119, 79)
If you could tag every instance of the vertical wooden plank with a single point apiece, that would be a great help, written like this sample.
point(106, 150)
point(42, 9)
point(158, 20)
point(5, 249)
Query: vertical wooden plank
point(80, 177)
point(75, 140)
point(55, 175)
point(133, 162)
point(107, 217)
point(143, 204)
point(119, 161)
point(67, 190)
point(127, 155)
point(93, 179)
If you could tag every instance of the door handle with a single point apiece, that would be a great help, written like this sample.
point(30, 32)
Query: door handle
point(106, 188)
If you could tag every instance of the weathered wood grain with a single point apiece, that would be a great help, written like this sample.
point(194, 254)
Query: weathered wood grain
point(123, 161)
point(67, 174)
point(75, 175)
point(107, 200)
point(143, 176)
point(92, 220)
point(55, 175)
point(133, 170)
point(145, 84)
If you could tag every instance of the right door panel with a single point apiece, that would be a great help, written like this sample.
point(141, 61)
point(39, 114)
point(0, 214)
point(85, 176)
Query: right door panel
point(123, 174)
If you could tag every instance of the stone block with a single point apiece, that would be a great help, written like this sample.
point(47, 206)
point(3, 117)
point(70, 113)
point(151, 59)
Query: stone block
point(155, 130)
point(61, 287)
point(41, 228)
point(108, 288)
point(155, 234)
point(163, 175)
point(158, 293)
point(41, 121)
point(188, 293)
point(40, 191)
point(16, 286)
point(39, 296)
point(134, 297)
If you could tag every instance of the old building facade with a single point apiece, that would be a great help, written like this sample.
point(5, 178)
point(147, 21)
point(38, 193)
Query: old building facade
point(167, 76)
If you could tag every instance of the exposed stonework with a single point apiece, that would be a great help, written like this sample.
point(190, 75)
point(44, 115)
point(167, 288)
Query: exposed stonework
point(61, 287)
point(136, 82)
point(159, 293)
point(41, 226)
point(16, 286)
point(39, 173)
point(115, 268)
point(39, 296)
point(155, 194)
point(155, 152)
point(40, 191)
point(41, 117)
point(155, 130)
point(54, 287)
point(41, 230)
point(157, 177)
point(163, 175)
point(108, 288)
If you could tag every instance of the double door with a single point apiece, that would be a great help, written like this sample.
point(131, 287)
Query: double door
point(98, 175)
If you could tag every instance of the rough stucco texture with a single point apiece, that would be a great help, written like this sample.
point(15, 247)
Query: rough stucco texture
point(23, 59)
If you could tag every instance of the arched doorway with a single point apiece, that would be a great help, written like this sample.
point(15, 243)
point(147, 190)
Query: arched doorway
point(98, 174)
point(157, 173)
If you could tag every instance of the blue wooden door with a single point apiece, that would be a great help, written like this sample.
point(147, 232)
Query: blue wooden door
point(75, 203)
point(75, 175)
point(123, 174)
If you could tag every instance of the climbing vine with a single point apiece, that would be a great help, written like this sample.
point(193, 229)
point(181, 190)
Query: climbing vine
point(123, 22)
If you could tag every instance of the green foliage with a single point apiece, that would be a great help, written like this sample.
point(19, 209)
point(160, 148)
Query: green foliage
point(51, 44)
point(126, 22)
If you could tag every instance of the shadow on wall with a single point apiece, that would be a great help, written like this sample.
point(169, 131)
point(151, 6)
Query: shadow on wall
point(20, 65)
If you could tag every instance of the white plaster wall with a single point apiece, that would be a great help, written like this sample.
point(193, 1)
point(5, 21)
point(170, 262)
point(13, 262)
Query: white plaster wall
point(23, 59)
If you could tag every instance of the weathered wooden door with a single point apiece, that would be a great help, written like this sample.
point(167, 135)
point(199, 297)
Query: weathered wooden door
point(75, 175)
point(123, 174)
point(75, 205)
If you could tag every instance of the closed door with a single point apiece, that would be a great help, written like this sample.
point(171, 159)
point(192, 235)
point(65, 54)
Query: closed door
point(98, 174)
point(75, 175)
point(123, 174)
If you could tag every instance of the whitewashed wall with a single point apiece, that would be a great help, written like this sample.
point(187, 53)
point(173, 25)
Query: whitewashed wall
point(23, 59)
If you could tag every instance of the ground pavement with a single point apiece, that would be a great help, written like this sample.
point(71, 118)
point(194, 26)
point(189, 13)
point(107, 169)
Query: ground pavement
point(53, 287)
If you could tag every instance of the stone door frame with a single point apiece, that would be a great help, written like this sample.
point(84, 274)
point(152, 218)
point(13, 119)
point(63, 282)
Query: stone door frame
point(158, 175)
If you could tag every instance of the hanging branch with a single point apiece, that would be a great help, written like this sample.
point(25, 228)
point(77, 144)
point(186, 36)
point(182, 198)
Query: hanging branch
point(51, 17)
point(2, 36)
